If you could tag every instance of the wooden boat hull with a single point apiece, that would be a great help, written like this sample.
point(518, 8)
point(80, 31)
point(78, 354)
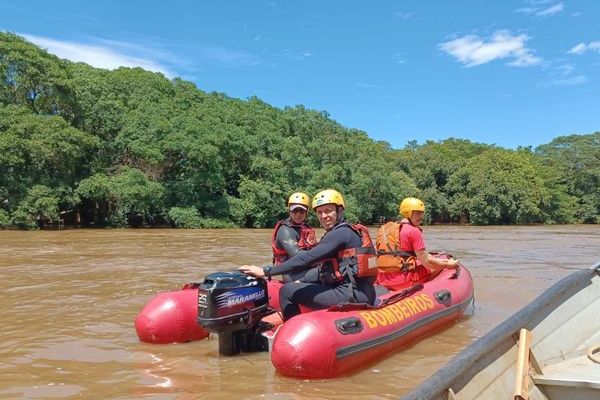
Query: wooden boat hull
point(564, 322)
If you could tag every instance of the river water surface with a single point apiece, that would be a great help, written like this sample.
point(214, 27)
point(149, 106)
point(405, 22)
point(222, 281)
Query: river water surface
point(68, 300)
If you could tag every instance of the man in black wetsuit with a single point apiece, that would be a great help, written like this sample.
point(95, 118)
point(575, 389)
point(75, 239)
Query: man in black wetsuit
point(335, 272)
point(292, 236)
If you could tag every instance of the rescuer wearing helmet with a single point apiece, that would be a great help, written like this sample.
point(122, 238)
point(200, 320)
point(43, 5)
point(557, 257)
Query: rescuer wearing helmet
point(415, 264)
point(345, 258)
point(293, 235)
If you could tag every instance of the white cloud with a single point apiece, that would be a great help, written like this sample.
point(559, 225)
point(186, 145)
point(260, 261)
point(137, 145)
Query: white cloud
point(551, 10)
point(294, 55)
point(578, 49)
point(152, 56)
point(562, 74)
point(398, 58)
point(366, 85)
point(565, 69)
point(207, 54)
point(471, 50)
point(568, 81)
point(582, 48)
point(107, 56)
point(539, 8)
point(405, 15)
point(525, 10)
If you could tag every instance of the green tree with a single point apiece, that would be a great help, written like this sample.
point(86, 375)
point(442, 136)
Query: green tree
point(575, 161)
point(378, 185)
point(38, 208)
point(97, 198)
point(127, 198)
point(4, 219)
point(261, 193)
point(185, 217)
point(131, 147)
point(431, 165)
point(498, 187)
point(34, 78)
point(40, 150)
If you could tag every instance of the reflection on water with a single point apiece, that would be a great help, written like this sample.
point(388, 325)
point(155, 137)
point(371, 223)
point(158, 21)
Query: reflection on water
point(69, 299)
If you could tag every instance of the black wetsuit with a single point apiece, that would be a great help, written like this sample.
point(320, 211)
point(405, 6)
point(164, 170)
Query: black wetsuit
point(287, 238)
point(318, 295)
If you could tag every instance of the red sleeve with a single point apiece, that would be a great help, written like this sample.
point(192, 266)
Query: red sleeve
point(415, 240)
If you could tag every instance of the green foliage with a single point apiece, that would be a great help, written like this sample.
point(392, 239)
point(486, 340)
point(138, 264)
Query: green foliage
point(498, 187)
point(4, 219)
point(127, 198)
point(431, 166)
point(259, 203)
point(40, 150)
point(575, 161)
point(135, 199)
point(38, 208)
point(95, 188)
point(185, 217)
point(377, 185)
point(34, 78)
point(131, 147)
point(43, 145)
point(190, 218)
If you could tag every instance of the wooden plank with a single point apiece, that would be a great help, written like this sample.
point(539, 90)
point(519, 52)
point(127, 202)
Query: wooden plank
point(451, 394)
point(522, 378)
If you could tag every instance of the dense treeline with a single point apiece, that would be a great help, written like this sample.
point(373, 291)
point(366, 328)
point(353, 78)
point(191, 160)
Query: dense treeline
point(130, 147)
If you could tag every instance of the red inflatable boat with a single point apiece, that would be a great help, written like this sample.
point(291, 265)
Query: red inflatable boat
point(329, 343)
point(315, 344)
point(171, 317)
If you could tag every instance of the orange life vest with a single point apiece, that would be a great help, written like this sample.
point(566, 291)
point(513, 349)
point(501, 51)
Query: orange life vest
point(390, 257)
point(306, 241)
point(356, 262)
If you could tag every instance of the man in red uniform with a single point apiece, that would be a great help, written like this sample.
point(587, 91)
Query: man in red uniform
point(412, 244)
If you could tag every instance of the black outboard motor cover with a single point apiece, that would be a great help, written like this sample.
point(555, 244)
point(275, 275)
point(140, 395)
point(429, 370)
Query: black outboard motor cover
point(231, 301)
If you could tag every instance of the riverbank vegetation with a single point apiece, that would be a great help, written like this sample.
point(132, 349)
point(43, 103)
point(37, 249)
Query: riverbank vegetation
point(128, 147)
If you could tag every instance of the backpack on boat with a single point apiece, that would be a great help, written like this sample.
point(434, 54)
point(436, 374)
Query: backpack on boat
point(390, 257)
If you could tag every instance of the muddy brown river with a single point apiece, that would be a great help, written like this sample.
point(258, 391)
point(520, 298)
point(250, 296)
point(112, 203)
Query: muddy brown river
point(68, 300)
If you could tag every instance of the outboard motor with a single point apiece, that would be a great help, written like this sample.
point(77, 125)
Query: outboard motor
point(231, 304)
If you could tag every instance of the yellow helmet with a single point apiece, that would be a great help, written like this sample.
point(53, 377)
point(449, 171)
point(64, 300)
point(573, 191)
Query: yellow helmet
point(298, 198)
point(409, 205)
point(328, 196)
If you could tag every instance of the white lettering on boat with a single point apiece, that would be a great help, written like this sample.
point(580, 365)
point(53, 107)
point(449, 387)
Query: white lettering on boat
point(234, 301)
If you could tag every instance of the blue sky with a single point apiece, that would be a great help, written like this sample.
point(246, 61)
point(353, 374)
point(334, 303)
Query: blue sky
point(506, 72)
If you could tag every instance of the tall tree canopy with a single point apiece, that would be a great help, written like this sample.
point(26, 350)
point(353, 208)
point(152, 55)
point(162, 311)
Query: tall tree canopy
point(131, 147)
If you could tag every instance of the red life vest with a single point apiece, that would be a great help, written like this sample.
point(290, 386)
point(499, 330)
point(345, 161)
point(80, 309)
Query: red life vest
point(390, 256)
point(356, 262)
point(306, 241)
